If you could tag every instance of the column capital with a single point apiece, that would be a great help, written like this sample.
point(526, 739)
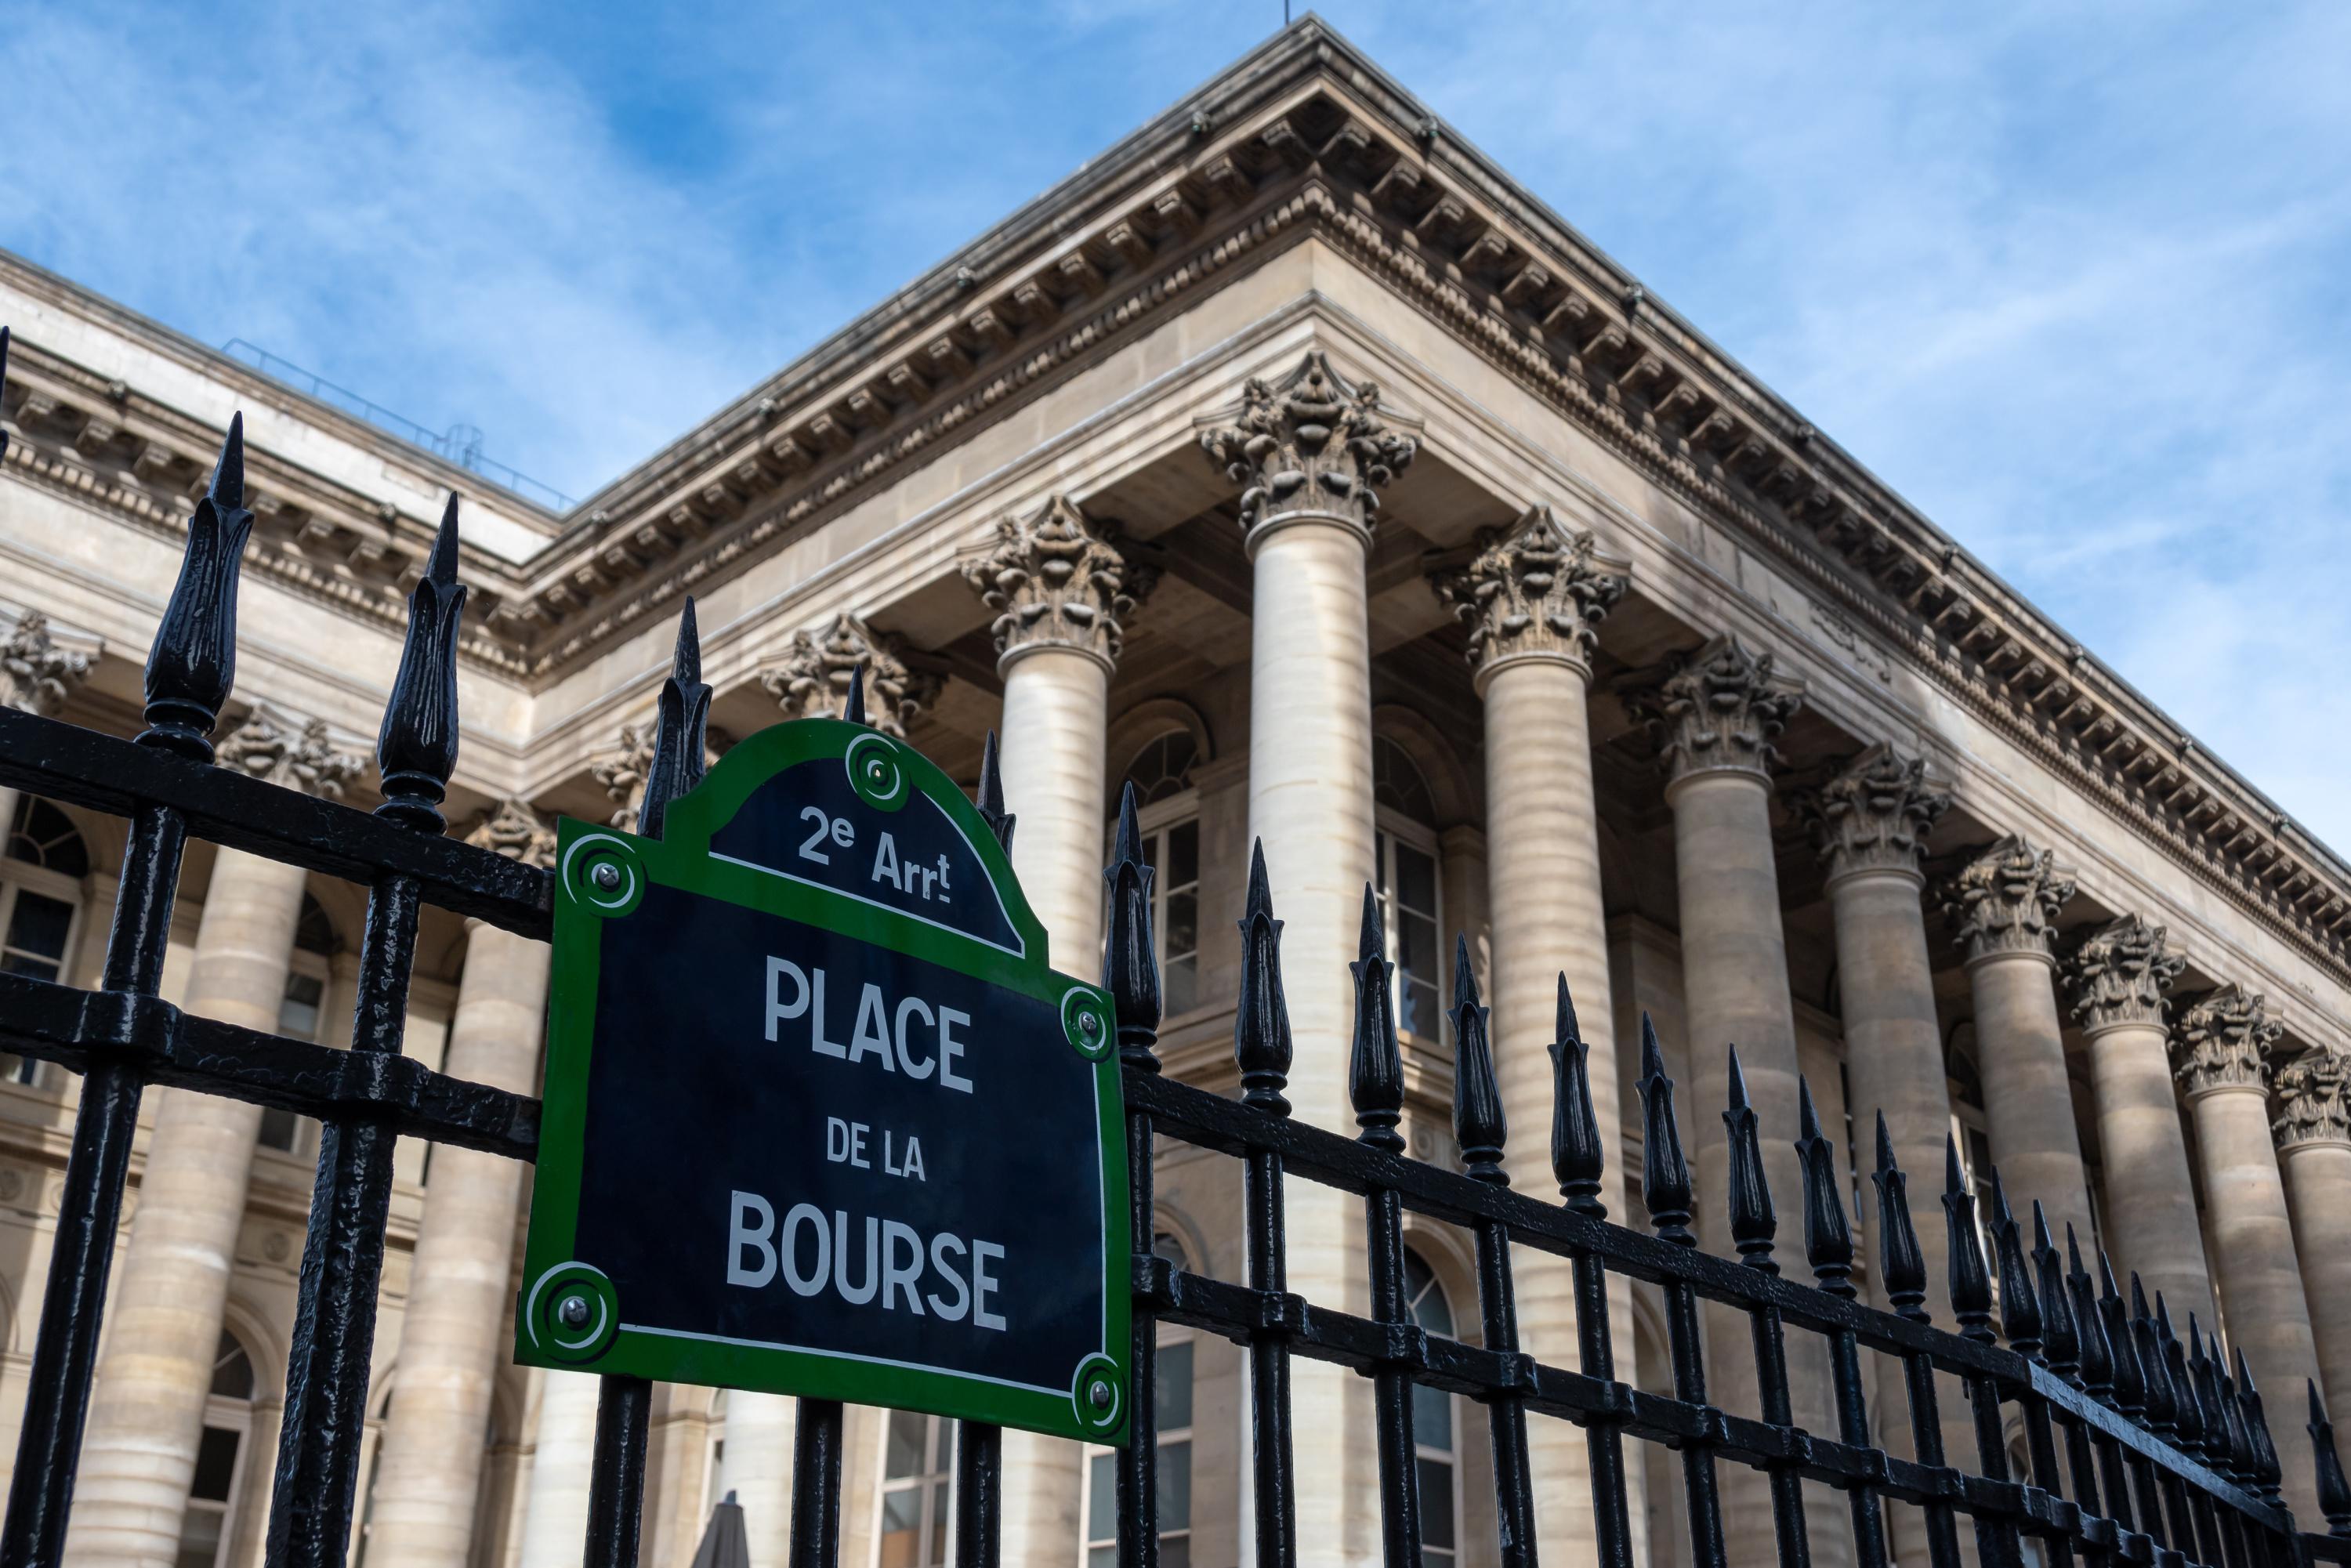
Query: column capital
point(2222, 1040)
point(2118, 975)
point(1717, 709)
point(514, 829)
point(1057, 578)
point(622, 776)
point(36, 675)
point(1311, 445)
point(2314, 1101)
point(1874, 815)
point(812, 677)
point(1535, 589)
point(2005, 900)
point(296, 753)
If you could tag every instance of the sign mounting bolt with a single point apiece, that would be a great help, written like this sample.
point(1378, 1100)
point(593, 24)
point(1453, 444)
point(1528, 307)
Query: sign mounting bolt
point(1099, 1393)
point(573, 1311)
point(606, 876)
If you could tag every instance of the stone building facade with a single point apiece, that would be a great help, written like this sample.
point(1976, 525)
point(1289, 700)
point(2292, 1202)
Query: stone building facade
point(1294, 465)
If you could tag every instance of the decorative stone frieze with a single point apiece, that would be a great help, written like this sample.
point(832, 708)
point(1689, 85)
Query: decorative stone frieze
point(1537, 589)
point(513, 830)
point(1718, 709)
point(1312, 443)
point(1874, 815)
point(1057, 579)
point(2313, 1101)
point(623, 776)
point(36, 675)
point(2222, 1040)
point(2120, 973)
point(812, 678)
point(2006, 901)
point(296, 753)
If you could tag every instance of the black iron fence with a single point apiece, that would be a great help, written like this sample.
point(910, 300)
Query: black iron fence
point(2140, 1450)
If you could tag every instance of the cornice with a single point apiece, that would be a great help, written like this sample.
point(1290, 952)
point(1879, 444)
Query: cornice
point(1307, 138)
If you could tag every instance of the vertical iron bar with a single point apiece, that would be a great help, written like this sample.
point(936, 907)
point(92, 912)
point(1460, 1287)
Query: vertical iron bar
point(978, 1502)
point(1579, 1161)
point(1262, 1047)
point(191, 669)
point(1996, 1539)
point(1903, 1270)
point(816, 1485)
point(616, 1486)
point(1375, 1085)
point(2028, 1328)
point(1753, 1228)
point(1130, 976)
point(1666, 1192)
point(311, 1503)
point(1828, 1247)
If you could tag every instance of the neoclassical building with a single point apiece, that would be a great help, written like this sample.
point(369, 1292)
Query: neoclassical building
point(1293, 464)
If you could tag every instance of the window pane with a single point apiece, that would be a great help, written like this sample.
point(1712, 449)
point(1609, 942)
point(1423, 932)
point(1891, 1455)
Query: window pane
point(1101, 1497)
point(1175, 1486)
point(1173, 1385)
point(232, 1369)
point(281, 1130)
point(1179, 985)
point(26, 964)
point(215, 1465)
point(39, 926)
point(1380, 863)
point(1175, 1552)
point(1432, 1418)
point(1107, 1556)
point(1436, 1504)
point(298, 1011)
point(1417, 879)
point(1419, 1012)
point(938, 1490)
point(901, 1527)
point(200, 1536)
point(1183, 924)
point(1183, 854)
point(908, 1430)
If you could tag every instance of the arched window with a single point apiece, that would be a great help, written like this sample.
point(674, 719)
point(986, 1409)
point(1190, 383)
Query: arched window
point(1168, 811)
point(220, 1459)
point(1407, 883)
point(917, 1477)
point(301, 1014)
point(1433, 1434)
point(40, 905)
point(1171, 1386)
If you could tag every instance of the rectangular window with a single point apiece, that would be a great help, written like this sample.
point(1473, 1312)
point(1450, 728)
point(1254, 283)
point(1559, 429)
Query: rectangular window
point(1172, 852)
point(917, 1470)
point(204, 1524)
point(34, 943)
point(1172, 1385)
point(298, 1012)
point(1407, 891)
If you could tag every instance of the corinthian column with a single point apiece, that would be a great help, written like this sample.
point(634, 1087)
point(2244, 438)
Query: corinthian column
point(2117, 980)
point(2220, 1051)
point(811, 680)
point(1061, 592)
point(1531, 596)
point(146, 1412)
point(2312, 1127)
point(2001, 903)
point(1715, 716)
point(1060, 589)
point(1311, 453)
point(429, 1466)
point(36, 677)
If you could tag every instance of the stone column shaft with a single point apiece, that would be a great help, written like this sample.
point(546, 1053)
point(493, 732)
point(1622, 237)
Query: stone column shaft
point(1531, 596)
point(2314, 1137)
point(1056, 718)
point(2220, 1052)
point(171, 1289)
point(555, 1520)
point(429, 1471)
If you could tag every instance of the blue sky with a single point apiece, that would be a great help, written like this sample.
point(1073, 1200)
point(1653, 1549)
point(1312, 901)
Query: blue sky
point(2072, 277)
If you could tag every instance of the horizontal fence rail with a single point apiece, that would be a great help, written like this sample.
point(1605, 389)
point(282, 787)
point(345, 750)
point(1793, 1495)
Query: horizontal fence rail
point(2140, 1447)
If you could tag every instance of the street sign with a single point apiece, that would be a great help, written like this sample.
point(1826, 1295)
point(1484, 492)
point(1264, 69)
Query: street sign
point(818, 1117)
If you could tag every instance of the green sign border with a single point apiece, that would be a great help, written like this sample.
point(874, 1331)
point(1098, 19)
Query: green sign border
point(884, 771)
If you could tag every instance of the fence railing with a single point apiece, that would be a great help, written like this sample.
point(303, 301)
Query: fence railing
point(2140, 1448)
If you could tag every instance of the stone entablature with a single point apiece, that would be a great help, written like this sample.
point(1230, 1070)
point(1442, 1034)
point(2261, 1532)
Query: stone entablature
point(1312, 443)
point(2222, 1040)
point(2006, 900)
point(2119, 974)
point(1718, 709)
point(1874, 815)
point(36, 675)
point(811, 680)
point(1055, 578)
point(1537, 589)
point(2313, 1101)
point(297, 753)
point(514, 829)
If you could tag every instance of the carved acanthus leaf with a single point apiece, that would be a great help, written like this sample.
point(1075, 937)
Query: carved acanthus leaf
point(1874, 814)
point(1536, 587)
point(1058, 578)
point(1718, 709)
point(623, 776)
point(2006, 900)
point(2223, 1041)
point(36, 675)
point(812, 678)
point(298, 754)
point(2120, 973)
point(1311, 442)
point(2314, 1101)
point(513, 830)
